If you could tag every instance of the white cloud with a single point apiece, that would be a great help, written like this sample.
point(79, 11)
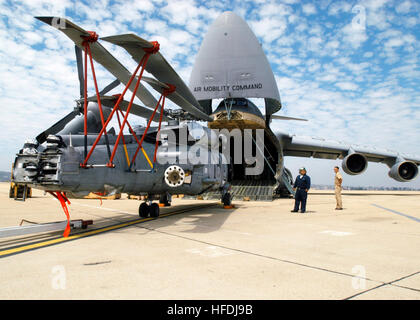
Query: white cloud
point(290, 61)
point(337, 7)
point(269, 29)
point(309, 9)
point(365, 79)
point(404, 7)
point(346, 85)
point(355, 37)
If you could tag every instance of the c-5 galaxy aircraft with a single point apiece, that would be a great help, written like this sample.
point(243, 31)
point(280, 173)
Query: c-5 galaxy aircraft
point(81, 154)
point(232, 66)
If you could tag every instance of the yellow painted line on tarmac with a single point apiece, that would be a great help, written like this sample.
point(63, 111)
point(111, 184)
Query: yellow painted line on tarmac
point(46, 243)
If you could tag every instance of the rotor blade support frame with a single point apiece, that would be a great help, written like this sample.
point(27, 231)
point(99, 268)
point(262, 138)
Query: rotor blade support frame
point(168, 90)
point(139, 69)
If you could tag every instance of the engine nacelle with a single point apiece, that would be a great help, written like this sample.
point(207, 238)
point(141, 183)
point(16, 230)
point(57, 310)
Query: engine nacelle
point(404, 171)
point(354, 164)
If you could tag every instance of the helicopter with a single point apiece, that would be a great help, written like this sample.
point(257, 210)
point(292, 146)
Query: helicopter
point(81, 154)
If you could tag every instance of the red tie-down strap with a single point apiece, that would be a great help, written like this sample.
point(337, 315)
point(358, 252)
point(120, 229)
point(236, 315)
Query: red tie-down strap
point(100, 194)
point(63, 199)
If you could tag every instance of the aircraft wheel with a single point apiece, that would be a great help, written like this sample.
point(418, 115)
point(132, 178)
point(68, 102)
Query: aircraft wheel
point(144, 210)
point(154, 210)
point(227, 199)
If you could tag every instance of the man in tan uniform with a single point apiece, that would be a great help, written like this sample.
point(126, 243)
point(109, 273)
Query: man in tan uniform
point(338, 182)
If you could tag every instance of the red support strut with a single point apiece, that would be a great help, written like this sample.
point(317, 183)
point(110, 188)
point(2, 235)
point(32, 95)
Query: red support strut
point(166, 92)
point(141, 65)
point(145, 132)
point(60, 196)
point(143, 62)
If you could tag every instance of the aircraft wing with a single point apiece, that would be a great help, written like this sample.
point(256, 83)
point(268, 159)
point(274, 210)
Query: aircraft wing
point(276, 117)
point(355, 158)
point(101, 55)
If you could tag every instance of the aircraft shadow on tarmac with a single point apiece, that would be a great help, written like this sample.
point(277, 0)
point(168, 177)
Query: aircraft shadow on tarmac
point(202, 219)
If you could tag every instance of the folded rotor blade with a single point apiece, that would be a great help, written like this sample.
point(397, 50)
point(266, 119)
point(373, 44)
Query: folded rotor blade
point(161, 69)
point(286, 118)
point(177, 98)
point(79, 61)
point(56, 127)
point(101, 55)
point(109, 87)
point(109, 101)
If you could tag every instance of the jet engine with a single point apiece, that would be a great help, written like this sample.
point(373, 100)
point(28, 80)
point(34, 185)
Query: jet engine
point(404, 171)
point(354, 163)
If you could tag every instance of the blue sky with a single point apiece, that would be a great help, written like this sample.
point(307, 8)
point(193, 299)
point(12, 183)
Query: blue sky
point(350, 67)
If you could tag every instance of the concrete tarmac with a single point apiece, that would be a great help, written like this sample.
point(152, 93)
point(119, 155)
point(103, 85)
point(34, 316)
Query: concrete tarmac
point(258, 250)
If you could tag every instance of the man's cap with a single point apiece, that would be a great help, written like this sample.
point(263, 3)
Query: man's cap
point(303, 168)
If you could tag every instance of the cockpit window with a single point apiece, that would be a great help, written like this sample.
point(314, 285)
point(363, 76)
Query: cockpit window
point(240, 104)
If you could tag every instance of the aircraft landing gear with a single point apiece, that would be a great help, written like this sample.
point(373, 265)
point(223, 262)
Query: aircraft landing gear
point(227, 199)
point(154, 210)
point(165, 200)
point(226, 196)
point(146, 210)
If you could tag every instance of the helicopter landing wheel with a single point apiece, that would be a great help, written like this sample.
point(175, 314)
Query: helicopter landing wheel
point(144, 210)
point(154, 210)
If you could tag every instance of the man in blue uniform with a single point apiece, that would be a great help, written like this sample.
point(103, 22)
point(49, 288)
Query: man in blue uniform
point(301, 186)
